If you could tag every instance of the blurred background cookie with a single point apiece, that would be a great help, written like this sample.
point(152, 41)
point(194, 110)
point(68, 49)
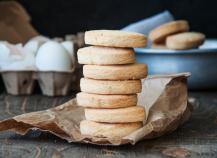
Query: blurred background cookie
point(161, 32)
point(158, 46)
point(185, 40)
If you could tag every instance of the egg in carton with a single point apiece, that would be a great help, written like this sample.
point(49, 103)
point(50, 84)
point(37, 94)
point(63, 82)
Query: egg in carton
point(56, 64)
point(17, 70)
point(51, 63)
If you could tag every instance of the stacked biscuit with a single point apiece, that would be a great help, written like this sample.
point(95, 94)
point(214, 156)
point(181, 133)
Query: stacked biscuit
point(111, 83)
point(175, 35)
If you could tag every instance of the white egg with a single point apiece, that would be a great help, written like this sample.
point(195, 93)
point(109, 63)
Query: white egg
point(13, 57)
point(69, 46)
point(33, 44)
point(52, 56)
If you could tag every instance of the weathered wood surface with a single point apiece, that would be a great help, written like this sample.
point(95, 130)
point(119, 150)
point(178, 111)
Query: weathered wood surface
point(196, 138)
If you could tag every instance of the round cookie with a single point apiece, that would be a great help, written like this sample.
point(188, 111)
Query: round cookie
point(160, 33)
point(115, 38)
point(116, 72)
point(95, 129)
point(120, 115)
point(110, 87)
point(105, 101)
point(106, 55)
point(185, 40)
point(159, 46)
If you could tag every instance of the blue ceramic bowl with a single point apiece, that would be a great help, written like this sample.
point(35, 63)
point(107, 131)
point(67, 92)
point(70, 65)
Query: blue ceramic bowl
point(202, 63)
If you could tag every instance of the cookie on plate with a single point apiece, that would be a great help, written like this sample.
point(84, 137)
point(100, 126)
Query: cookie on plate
point(159, 46)
point(115, 38)
point(160, 33)
point(185, 40)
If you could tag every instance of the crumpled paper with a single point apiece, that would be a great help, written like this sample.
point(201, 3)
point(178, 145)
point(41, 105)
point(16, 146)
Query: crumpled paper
point(164, 97)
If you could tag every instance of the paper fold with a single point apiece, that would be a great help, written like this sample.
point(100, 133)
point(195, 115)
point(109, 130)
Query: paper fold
point(163, 96)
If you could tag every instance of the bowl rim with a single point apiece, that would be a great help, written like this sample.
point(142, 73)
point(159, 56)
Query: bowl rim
point(166, 51)
point(189, 51)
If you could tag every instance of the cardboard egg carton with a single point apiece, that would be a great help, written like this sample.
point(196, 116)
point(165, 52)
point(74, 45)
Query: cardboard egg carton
point(15, 27)
point(51, 83)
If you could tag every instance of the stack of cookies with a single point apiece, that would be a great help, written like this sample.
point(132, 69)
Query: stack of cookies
point(175, 35)
point(111, 82)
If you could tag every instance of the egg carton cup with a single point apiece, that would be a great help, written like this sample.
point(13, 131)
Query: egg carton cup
point(52, 83)
point(55, 83)
point(19, 82)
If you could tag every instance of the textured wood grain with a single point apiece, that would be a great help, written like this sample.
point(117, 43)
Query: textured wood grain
point(196, 138)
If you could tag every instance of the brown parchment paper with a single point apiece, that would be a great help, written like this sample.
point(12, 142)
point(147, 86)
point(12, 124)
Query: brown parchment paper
point(163, 96)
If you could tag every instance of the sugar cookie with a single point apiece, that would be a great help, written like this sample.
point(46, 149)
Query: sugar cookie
point(110, 87)
point(116, 72)
point(159, 46)
point(106, 55)
point(120, 115)
point(106, 101)
point(161, 32)
point(115, 38)
point(185, 40)
point(108, 130)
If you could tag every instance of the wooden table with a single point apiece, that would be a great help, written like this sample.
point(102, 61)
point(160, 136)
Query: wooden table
point(196, 138)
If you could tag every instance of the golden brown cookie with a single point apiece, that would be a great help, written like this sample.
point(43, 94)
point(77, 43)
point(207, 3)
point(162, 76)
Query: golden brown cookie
point(159, 46)
point(116, 72)
point(110, 87)
point(120, 115)
point(160, 33)
point(106, 55)
point(106, 101)
point(185, 40)
point(108, 130)
point(115, 38)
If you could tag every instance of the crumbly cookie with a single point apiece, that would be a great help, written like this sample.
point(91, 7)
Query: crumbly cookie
point(185, 40)
point(105, 101)
point(110, 87)
point(115, 38)
point(120, 115)
point(108, 130)
point(106, 55)
point(116, 72)
point(160, 33)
